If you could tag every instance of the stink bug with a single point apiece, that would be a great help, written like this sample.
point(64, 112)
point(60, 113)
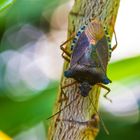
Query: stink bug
point(91, 51)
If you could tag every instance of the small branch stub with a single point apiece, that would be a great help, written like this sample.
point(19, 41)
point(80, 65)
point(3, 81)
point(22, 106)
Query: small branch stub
point(79, 119)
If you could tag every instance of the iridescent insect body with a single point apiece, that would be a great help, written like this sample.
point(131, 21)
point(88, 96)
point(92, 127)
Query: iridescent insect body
point(91, 51)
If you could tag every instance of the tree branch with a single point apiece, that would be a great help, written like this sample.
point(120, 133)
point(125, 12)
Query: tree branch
point(79, 120)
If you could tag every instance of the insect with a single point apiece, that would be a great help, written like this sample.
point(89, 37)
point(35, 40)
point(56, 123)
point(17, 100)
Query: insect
point(91, 51)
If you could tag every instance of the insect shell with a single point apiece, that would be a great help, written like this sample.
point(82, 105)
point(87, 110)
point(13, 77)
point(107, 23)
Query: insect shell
point(91, 51)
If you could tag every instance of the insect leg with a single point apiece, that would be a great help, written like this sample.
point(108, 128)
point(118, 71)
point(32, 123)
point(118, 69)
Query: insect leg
point(64, 49)
point(66, 58)
point(69, 84)
point(63, 108)
point(108, 90)
point(115, 46)
point(63, 87)
point(66, 97)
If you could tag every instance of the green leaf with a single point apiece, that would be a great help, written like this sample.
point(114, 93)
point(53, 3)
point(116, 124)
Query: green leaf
point(18, 116)
point(124, 68)
point(5, 4)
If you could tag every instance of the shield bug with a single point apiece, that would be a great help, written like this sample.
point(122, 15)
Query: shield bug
point(91, 51)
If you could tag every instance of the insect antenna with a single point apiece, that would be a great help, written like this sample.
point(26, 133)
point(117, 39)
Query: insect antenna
point(102, 122)
point(62, 108)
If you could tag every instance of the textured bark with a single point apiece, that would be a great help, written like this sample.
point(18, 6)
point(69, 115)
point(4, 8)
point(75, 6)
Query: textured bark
point(79, 121)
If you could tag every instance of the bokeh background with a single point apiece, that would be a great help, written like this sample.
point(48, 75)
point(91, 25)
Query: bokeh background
point(31, 32)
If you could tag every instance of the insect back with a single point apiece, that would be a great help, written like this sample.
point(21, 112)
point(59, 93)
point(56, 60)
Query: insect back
point(89, 59)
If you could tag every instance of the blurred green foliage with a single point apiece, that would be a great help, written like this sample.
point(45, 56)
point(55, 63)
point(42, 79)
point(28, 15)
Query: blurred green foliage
point(19, 116)
point(5, 4)
point(36, 12)
point(125, 68)
point(119, 130)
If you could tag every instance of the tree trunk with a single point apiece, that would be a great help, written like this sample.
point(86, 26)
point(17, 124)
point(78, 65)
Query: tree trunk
point(79, 120)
